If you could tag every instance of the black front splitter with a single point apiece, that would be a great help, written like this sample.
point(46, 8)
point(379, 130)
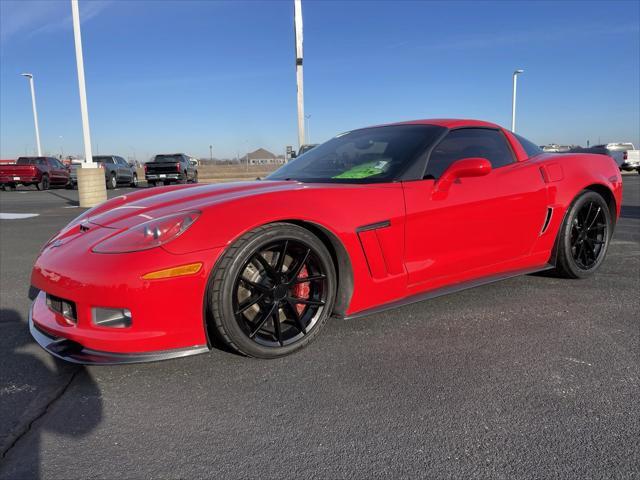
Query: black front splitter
point(73, 352)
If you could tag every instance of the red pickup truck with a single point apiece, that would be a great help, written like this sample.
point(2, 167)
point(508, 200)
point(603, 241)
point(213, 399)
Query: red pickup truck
point(42, 172)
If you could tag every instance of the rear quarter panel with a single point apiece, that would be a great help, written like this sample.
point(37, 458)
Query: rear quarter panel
point(566, 175)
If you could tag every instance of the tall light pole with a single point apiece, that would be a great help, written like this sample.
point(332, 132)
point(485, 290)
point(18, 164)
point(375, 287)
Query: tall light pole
point(91, 185)
point(35, 111)
point(75, 13)
point(308, 117)
point(297, 24)
point(211, 153)
point(513, 100)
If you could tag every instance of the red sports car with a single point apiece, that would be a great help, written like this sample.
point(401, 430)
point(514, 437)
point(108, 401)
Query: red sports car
point(370, 220)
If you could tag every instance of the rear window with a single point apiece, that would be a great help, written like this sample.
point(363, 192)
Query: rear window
point(531, 148)
point(103, 159)
point(31, 161)
point(167, 158)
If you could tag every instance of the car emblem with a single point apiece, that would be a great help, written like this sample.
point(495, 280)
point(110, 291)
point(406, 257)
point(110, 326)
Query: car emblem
point(57, 243)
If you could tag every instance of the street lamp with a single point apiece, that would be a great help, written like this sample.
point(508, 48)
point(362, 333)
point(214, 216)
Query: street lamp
point(91, 184)
point(513, 101)
point(61, 149)
point(308, 117)
point(35, 112)
point(297, 28)
point(211, 153)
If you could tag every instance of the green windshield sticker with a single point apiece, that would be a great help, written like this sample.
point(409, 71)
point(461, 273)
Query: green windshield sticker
point(364, 170)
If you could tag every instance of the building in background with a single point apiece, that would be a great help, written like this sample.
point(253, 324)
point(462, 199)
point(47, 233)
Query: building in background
point(264, 157)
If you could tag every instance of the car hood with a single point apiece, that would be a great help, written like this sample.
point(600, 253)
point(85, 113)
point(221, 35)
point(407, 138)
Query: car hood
point(139, 207)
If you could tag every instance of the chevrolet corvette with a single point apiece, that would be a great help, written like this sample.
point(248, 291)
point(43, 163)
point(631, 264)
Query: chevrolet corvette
point(373, 219)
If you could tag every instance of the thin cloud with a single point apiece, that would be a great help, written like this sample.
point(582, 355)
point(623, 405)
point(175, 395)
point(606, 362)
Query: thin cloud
point(29, 18)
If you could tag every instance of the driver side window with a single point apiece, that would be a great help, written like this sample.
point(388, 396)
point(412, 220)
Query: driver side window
point(467, 143)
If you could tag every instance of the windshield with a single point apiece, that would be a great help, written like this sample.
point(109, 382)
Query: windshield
point(30, 161)
point(167, 158)
point(370, 155)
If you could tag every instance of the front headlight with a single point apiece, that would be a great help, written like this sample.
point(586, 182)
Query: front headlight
point(148, 235)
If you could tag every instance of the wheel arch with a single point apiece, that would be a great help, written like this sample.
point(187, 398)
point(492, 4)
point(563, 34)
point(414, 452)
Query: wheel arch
point(600, 189)
point(341, 262)
point(608, 196)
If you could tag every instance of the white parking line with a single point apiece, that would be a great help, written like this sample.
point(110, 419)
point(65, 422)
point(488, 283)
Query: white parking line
point(17, 216)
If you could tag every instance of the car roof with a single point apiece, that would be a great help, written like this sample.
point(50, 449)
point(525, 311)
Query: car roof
point(450, 122)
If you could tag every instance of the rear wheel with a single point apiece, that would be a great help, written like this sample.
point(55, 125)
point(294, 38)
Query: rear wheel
point(112, 182)
point(44, 183)
point(183, 178)
point(584, 236)
point(134, 180)
point(195, 177)
point(272, 291)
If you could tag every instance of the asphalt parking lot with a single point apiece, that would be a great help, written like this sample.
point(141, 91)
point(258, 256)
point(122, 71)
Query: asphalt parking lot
point(532, 377)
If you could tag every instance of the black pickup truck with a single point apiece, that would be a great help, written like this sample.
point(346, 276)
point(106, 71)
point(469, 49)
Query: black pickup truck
point(171, 167)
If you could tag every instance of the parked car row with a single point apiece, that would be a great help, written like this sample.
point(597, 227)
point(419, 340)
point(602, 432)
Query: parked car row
point(44, 172)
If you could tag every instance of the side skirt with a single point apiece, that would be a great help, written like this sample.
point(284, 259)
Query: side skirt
point(438, 292)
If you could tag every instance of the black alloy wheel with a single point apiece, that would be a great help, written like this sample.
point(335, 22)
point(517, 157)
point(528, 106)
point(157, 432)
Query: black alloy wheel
point(275, 290)
point(585, 236)
point(589, 230)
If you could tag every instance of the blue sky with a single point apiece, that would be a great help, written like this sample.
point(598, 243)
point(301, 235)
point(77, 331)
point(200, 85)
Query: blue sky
point(181, 75)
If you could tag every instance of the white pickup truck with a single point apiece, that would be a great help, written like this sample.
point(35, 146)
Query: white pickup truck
point(630, 157)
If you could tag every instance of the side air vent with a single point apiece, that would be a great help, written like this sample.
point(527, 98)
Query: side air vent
point(547, 220)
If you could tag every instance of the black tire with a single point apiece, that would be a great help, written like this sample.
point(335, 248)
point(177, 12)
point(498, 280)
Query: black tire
point(583, 239)
point(307, 257)
point(184, 178)
point(112, 182)
point(44, 183)
point(134, 181)
point(195, 177)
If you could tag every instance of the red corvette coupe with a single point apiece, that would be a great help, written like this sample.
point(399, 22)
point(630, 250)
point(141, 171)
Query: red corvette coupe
point(372, 219)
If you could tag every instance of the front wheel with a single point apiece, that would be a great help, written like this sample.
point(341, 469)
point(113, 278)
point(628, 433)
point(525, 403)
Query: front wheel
point(195, 177)
point(584, 237)
point(272, 291)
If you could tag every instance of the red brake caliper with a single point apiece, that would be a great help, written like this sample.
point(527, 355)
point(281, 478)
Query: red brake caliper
point(302, 290)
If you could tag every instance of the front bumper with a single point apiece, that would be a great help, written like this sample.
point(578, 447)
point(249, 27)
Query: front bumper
point(74, 352)
point(167, 315)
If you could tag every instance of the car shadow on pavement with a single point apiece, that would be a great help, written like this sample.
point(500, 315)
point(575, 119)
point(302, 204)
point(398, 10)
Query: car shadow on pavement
point(39, 396)
point(630, 211)
point(68, 200)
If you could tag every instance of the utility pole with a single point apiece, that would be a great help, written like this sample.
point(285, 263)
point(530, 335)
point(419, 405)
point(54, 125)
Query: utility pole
point(35, 111)
point(91, 185)
point(211, 153)
point(297, 22)
point(513, 100)
point(308, 117)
